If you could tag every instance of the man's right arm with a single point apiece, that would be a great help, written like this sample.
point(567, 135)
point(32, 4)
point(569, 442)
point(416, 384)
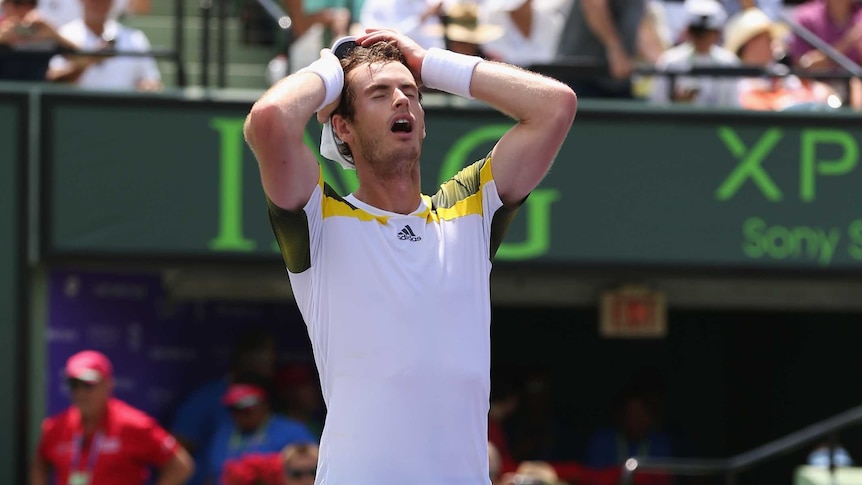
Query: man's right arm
point(274, 130)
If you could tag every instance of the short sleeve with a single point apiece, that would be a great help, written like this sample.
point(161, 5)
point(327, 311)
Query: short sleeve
point(49, 426)
point(156, 445)
point(297, 232)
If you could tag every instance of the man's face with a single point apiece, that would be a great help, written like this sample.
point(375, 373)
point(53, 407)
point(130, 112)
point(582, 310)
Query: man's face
point(89, 398)
point(758, 50)
point(250, 418)
point(300, 470)
point(389, 123)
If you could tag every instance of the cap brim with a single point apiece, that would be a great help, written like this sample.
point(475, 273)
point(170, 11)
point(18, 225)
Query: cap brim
point(86, 375)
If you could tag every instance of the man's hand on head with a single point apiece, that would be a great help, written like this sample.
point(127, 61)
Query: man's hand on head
point(413, 52)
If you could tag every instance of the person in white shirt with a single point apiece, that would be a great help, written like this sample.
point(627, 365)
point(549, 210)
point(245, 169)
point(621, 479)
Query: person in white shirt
point(394, 285)
point(706, 20)
point(95, 31)
point(416, 19)
point(61, 12)
point(531, 29)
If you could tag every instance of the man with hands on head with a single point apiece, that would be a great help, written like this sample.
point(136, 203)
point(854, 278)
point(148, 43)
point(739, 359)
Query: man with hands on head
point(394, 285)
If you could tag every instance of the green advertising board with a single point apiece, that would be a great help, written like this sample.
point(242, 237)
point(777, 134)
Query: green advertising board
point(13, 111)
point(666, 188)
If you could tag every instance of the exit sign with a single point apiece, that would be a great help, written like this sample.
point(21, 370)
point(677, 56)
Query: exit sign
point(633, 312)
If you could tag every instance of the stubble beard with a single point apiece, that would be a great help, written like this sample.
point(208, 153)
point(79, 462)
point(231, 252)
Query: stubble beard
point(389, 162)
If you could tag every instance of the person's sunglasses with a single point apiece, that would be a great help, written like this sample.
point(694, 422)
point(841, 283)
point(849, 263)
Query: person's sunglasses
point(296, 474)
point(74, 384)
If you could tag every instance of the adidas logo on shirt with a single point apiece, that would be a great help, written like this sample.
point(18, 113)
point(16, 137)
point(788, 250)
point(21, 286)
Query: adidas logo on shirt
point(406, 234)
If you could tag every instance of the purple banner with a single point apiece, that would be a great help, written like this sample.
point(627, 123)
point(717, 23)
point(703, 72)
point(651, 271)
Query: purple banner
point(161, 349)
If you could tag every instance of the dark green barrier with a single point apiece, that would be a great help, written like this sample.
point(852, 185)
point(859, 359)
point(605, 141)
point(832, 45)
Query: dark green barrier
point(13, 122)
point(172, 178)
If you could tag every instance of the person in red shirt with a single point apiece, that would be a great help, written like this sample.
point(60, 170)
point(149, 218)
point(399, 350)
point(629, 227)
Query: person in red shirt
point(100, 440)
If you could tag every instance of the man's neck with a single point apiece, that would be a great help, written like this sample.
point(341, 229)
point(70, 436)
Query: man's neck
point(702, 46)
point(399, 193)
point(91, 421)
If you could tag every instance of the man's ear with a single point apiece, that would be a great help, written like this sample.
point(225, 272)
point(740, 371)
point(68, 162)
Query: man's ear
point(342, 128)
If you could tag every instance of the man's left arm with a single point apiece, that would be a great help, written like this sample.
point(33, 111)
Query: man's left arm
point(544, 108)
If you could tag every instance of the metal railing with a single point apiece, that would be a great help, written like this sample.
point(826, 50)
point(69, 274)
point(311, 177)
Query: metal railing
point(731, 467)
point(278, 16)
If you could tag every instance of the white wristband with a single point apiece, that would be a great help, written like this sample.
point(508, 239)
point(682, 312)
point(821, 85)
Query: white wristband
point(448, 71)
point(330, 71)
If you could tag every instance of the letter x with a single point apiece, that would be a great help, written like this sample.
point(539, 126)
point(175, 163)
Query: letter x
point(749, 165)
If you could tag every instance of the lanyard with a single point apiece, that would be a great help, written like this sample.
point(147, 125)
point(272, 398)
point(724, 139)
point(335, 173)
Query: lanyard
point(78, 450)
point(237, 443)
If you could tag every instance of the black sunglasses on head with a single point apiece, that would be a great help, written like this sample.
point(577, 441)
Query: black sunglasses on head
point(297, 473)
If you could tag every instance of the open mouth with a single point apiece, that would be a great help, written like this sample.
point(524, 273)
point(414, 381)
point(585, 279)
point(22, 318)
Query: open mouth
point(402, 126)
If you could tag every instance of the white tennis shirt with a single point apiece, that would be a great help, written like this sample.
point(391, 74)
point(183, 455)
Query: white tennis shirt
point(398, 313)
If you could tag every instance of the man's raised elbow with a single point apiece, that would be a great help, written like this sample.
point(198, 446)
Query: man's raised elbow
point(567, 102)
point(259, 120)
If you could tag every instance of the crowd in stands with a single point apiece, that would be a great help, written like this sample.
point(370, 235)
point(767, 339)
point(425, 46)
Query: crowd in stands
point(261, 422)
point(603, 48)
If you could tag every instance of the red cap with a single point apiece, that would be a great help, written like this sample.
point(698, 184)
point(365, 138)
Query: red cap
point(243, 396)
point(89, 366)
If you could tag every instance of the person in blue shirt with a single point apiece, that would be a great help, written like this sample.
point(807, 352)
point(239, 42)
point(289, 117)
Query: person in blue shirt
point(253, 429)
point(636, 434)
point(197, 418)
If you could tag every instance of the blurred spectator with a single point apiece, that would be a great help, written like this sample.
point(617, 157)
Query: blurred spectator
point(504, 400)
point(253, 429)
point(637, 431)
point(654, 38)
point(22, 28)
point(533, 473)
point(410, 17)
point(531, 29)
point(101, 440)
point(95, 31)
point(298, 396)
point(654, 35)
point(602, 33)
point(838, 22)
point(313, 28)
point(772, 8)
point(495, 465)
point(300, 464)
point(752, 35)
point(463, 32)
point(535, 430)
point(197, 418)
point(61, 12)
point(706, 20)
point(820, 456)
